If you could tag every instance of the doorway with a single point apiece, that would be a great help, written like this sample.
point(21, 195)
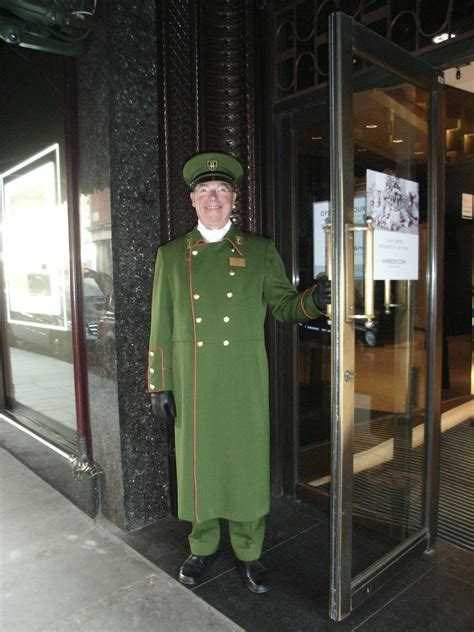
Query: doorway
point(366, 180)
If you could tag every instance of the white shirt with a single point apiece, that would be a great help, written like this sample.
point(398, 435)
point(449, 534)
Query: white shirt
point(215, 234)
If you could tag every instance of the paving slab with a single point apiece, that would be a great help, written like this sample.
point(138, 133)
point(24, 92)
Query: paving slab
point(62, 570)
point(141, 607)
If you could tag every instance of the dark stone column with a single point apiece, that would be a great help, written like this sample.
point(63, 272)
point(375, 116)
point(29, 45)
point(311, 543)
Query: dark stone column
point(119, 101)
point(135, 188)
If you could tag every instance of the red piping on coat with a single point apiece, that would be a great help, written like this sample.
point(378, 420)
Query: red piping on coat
point(234, 245)
point(194, 388)
point(199, 242)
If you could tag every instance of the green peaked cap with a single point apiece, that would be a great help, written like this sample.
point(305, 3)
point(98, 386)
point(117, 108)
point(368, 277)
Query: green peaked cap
point(213, 164)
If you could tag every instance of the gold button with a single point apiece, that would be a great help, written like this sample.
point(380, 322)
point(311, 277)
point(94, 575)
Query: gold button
point(232, 272)
point(195, 252)
point(196, 297)
point(232, 249)
point(151, 354)
point(152, 386)
point(226, 343)
point(199, 319)
point(226, 319)
point(152, 370)
point(230, 294)
point(200, 343)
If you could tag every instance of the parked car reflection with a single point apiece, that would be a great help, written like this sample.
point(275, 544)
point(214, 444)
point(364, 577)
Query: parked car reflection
point(50, 334)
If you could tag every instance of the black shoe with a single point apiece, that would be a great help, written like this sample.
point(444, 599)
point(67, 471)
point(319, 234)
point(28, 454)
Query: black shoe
point(195, 567)
point(254, 575)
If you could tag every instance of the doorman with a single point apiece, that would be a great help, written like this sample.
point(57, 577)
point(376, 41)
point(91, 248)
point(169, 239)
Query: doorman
point(208, 372)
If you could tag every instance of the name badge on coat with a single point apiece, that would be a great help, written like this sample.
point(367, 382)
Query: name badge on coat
point(237, 262)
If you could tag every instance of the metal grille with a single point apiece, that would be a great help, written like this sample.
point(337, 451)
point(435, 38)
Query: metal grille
point(300, 33)
point(456, 499)
point(383, 487)
point(392, 492)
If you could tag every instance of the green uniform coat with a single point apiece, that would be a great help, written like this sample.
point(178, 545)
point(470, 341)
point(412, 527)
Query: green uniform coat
point(207, 346)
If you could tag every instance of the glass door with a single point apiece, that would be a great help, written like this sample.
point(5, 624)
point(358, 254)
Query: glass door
point(381, 235)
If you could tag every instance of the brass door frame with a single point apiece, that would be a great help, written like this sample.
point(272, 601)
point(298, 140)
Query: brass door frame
point(348, 39)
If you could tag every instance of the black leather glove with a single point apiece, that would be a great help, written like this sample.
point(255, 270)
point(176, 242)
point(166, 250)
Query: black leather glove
point(163, 407)
point(322, 292)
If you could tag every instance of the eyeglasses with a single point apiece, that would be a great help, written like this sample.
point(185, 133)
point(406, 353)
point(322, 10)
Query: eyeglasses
point(206, 188)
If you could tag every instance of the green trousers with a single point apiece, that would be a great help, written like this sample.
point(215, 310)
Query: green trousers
point(246, 538)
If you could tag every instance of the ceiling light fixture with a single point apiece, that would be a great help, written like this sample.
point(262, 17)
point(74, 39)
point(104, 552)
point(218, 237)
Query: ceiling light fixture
point(442, 37)
point(397, 140)
point(371, 126)
point(316, 137)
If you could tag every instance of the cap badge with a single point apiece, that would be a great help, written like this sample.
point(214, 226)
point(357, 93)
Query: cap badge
point(212, 165)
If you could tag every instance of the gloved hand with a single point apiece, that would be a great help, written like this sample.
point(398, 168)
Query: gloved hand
point(322, 292)
point(163, 407)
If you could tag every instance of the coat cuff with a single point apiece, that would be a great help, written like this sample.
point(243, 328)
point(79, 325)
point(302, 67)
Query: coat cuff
point(159, 377)
point(309, 309)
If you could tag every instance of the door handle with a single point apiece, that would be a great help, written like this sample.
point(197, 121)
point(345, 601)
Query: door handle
point(387, 295)
point(328, 239)
point(368, 231)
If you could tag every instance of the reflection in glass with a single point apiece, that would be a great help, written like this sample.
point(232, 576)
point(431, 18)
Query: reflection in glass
point(391, 125)
point(36, 277)
point(314, 337)
point(390, 131)
point(96, 248)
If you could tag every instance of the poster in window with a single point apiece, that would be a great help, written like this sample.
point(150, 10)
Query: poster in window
point(320, 215)
point(394, 203)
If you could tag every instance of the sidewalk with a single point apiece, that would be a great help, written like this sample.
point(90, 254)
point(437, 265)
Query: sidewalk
point(63, 571)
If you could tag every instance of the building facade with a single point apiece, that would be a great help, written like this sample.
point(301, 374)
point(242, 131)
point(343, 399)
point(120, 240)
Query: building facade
point(92, 153)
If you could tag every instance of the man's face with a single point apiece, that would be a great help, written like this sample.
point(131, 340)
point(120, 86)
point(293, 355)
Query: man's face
point(213, 201)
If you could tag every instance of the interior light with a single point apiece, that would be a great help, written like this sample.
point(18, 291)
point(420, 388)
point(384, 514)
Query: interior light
point(316, 137)
point(419, 153)
point(362, 150)
point(371, 126)
point(397, 140)
point(455, 129)
point(442, 37)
